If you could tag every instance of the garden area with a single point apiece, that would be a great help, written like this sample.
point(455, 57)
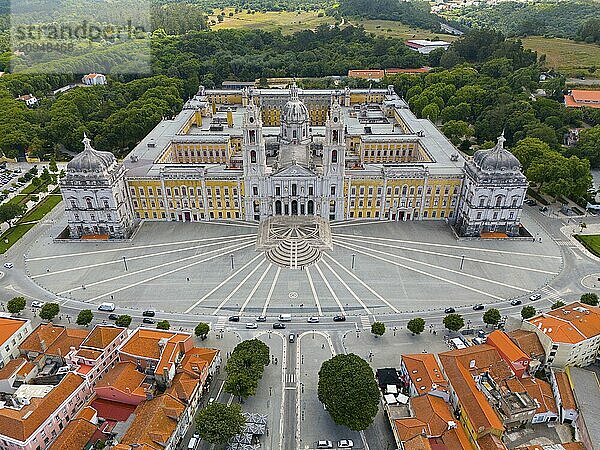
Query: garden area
point(591, 242)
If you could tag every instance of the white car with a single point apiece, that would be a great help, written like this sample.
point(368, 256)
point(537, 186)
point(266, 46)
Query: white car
point(251, 326)
point(345, 443)
point(37, 304)
point(313, 319)
point(535, 297)
point(9, 265)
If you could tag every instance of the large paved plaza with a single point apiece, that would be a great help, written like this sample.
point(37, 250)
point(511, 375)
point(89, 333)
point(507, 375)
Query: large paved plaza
point(214, 268)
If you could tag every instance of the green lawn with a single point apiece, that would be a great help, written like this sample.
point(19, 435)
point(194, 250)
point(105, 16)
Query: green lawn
point(288, 21)
point(13, 235)
point(565, 55)
point(591, 242)
point(43, 208)
point(17, 199)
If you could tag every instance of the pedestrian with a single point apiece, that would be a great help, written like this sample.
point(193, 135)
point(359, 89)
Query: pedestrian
point(322, 346)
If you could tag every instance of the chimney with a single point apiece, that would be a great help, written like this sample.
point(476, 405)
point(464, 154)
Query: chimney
point(128, 390)
point(43, 345)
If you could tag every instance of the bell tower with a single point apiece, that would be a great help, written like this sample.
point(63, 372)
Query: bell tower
point(253, 143)
point(335, 142)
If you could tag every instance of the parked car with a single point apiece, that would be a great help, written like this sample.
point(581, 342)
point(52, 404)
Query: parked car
point(9, 265)
point(516, 302)
point(106, 306)
point(113, 316)
point(543, 208)
point(324, 444)
point(292, 338)
point(234, 318)
point(478, 307)
point(449, 310)
point(345, 443)
point(148, 320)
point(339, 319)
point(261, 319)
point(535, 297)
point(37, 304)
point(149, 313)
point(313, 319)
point(278, 326)
point(251, 326)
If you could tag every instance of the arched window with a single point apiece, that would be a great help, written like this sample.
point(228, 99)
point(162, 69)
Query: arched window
point(106, 204)
point(88, 202)
point(253, 156)
point(183, 190)
point(252, 137)
point(334, 156)
point(335, 137)
point(499, 201)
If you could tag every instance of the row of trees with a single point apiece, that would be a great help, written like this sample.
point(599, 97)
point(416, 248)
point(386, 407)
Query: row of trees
point(245, 368)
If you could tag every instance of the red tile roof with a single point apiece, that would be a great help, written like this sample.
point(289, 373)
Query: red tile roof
point(101, 336)
point(76, 435)
point(11, 368)
point(527, 341)
point(571, 323)
point(124, 378)
point(110, 410)
point(541, 391)
point(424, 371)
point(502, 342)
point(57, 340)
point(8, 327)
point(564, 390)
point(579, 97)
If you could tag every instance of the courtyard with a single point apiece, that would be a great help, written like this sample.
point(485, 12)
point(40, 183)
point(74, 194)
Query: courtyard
point(214, 268)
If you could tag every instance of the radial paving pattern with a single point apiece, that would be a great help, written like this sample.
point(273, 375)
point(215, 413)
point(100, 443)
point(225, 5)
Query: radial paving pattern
point(216, 268)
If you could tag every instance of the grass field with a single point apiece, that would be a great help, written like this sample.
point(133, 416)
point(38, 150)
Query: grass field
point(399, 30)
point(43, 208)
point(13, 235)
point(567, 56)
point(591, 242)
point(288, 21)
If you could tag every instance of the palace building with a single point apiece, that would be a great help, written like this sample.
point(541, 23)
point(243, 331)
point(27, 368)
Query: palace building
point(250, 154)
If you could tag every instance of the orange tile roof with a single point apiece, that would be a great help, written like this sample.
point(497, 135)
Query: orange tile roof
point(502, 342)
point(76, 434)
point(14, 425)
point(88, 353)
point(417, 443)
point(88, 413)
point(11, 368)
point(541, 391)
point(490, 442)
point(456, 364)
point(197, 358)
point(26, 369)
point(564, 390)
point(571, 323)
point(578, 98)
point(155, 421)
point(8, 327)
point(394, 71)
point(102, 336)
point(144, 342)
point(374, 73)
point(527, 341)
point(57, 338)
point(125, 378)
point(424, 371)
point(183, 386)
point(431, 418)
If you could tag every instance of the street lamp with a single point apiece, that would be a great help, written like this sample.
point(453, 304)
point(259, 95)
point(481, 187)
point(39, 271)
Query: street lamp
point(231, 261)
point(462, 261)
point(353, 259)
point(125, 262)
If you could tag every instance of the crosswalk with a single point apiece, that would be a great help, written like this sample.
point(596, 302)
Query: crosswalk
point(563, 243)
point(551, 294)
point(290, 378)
point(365, 322)
point(220, 325)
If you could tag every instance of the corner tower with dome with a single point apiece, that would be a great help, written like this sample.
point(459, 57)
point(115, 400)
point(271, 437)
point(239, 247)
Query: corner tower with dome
point(492, 194)
point(95, 195)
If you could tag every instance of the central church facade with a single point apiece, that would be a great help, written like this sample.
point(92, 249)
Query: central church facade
point(251, 154)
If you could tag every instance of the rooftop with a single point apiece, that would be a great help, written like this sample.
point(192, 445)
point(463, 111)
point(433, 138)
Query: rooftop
point(8, 327)
point(424, 372)
point(53, 339)
point(11, 368)
point(123, 377)
point(500, 340)
point(565, 390)
point(580, 97)
point(76, 434)
point(586, 389)
point(21, 423)
point(541, 391)
point(527, 341)
point(101, 336)
point(570, 324)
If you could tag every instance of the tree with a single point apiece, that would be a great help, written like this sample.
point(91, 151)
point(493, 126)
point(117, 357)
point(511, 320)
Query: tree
point(528, 312)
point(416, 325)
point(589, 298)
point(9, 211)
point(52, 166)
point(348, 390)
point(588, 145)
point(245, 368)
point(123, 321)
point(49, 311)
point(241, 384)
point(454, 322)
point(202, 330)
point(218, 423)
point(85, 317)
point(557, 304)
point(163, 325)
point(16, 305)
point(491, 316)
point(378, 328)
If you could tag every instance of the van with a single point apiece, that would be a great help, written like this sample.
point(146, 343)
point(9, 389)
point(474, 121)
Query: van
point(193, 442)
point(285, 317)
point(106, 307)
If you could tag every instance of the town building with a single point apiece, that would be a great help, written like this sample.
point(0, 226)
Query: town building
point(13, 332)
point(29, 99)
point(423, 375)
point(510, 353)
point(425, 46)
point(563, 393)
point(51, 342)
point(93, 79)
point(367, 74)
point(586, 390)
point(530, 344)
point(579, 98)
point(250, 154)
point(123, 384)
point(570, 335)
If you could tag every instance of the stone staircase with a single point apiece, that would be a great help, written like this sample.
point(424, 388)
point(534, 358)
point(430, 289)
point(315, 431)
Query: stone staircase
point(293, 254)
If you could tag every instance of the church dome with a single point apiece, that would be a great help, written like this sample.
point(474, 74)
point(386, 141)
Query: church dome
point(90, 160)
point(496, 159)
point(295, 111)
